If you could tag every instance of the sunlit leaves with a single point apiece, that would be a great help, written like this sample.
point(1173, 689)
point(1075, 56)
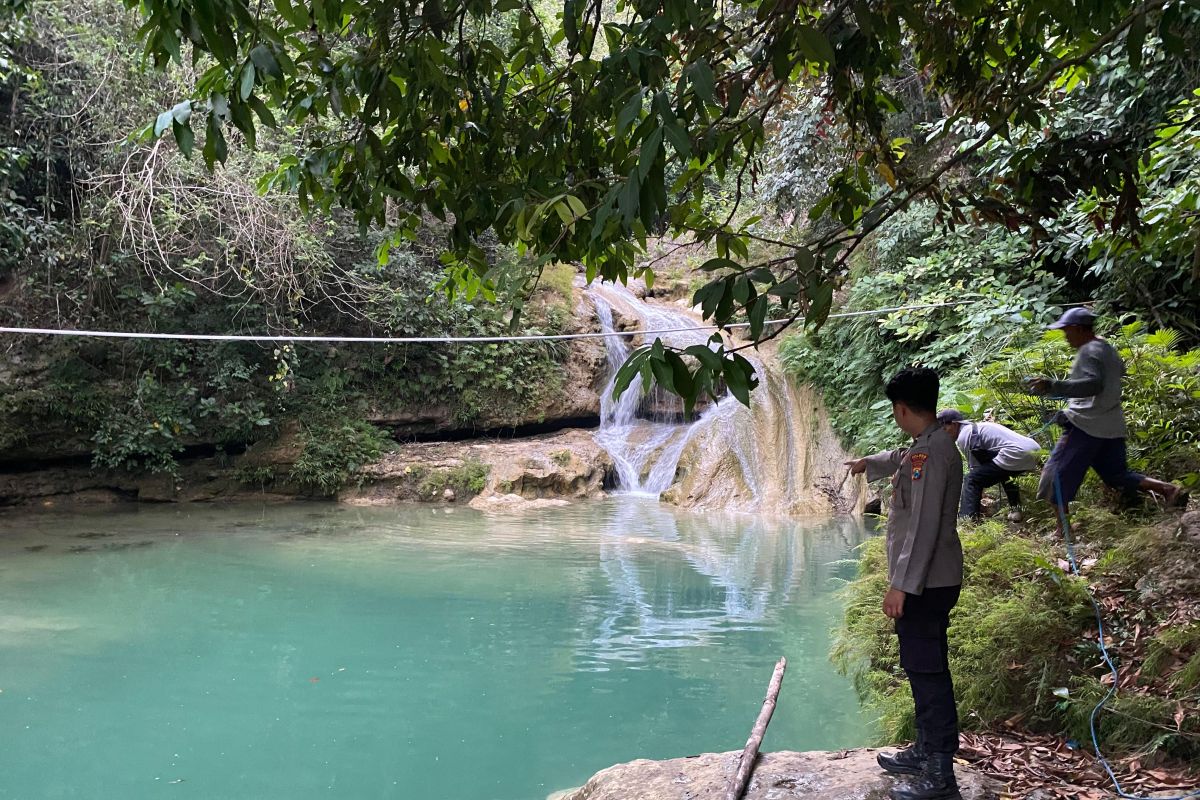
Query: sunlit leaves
point(507, 122)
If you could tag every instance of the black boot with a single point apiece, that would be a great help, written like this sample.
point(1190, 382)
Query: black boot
point(936, 783)
point(909, 761)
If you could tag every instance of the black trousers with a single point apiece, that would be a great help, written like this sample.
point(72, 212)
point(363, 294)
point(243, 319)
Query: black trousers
point(924, 655)
point(980, 477)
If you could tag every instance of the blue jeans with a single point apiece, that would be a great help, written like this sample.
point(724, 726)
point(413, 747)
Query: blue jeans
point(1074, 454)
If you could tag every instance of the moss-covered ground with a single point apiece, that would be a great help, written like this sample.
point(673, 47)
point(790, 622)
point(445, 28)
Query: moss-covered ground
point(1028, 672)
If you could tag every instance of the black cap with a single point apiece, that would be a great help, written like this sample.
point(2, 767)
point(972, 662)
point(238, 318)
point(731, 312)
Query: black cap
point(1074, 316)
point(950, 415)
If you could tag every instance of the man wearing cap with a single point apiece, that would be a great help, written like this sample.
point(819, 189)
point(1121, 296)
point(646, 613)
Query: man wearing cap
point(995, 454)
point(1093, 422)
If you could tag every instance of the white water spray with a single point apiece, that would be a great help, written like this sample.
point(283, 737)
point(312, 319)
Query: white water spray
point(773, 457)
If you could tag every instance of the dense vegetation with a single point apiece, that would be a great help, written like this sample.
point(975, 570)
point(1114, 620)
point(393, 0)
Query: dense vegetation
point(1023, 649)
point(103, 230)
point(577, 135)
point(439, 167)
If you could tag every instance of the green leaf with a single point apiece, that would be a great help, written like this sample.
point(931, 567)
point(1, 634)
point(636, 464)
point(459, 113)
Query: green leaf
point(182, 112)
point(705, 355)
point(164, 121)
point(681, 379)
point(215, 148)
point(739, 377)
point(297, 15)
point(820, 300)
point(678, 137)
point(629, 113)
point(714, 264)
point(1136, 40)
point(814, 44)
point(663, 372)
point(701, 76)
point(219, 105)
point(265, 63)
point(709, 296)
point(758, 315)
point(629, 370)
point(247, 83)
point(650, 152)
point(264, 113)
point(184, 138)
point(240, 114)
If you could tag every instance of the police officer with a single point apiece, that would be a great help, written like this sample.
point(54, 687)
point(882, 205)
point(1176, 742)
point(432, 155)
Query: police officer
point(1093, 423)
point(925, 571)
point(995, 454)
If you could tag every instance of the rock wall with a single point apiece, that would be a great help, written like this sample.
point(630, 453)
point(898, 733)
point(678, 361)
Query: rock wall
point(843, 775)
point(504, 473)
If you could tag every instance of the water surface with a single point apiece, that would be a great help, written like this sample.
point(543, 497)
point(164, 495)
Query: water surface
point(307, 651)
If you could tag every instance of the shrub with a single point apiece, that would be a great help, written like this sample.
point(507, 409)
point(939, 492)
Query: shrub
point(334, 449)
point(1015, 601)
point(911, 262)
point(468, 478)
point(1162, 396)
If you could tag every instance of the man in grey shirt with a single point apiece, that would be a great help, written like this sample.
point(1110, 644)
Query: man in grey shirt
point(1093, 422)
point(995, 454)
point(925, 573)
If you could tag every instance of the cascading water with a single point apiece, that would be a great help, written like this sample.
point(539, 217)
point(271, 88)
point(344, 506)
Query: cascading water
point(778, 456)
point(645, 448)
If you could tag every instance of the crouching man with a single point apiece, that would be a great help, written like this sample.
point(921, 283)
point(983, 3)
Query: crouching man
point(995, 454)
point(925, 571)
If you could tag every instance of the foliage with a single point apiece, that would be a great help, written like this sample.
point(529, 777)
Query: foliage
point(466, 479)
point(913, 262)
point(1155, 274)
point(334, 448)
point(259, 477)
point(1014, 601)
point(128, 235)
point(1161, 396)
point(558, 137)
point(149, 432)
point(1167, 645)
point(1131, 119)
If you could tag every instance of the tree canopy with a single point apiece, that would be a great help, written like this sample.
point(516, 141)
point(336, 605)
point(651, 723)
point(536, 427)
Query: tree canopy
point(576, 136)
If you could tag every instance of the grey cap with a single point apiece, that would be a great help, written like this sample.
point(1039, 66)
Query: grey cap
point(1074, 316)
point(948, 416)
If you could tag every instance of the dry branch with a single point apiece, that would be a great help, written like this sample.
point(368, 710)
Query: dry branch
point(737, 786)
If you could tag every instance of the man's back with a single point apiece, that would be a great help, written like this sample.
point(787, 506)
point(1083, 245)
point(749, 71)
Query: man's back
point(1094, 391)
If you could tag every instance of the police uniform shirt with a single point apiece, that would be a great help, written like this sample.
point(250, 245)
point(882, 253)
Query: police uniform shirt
point(922, 529)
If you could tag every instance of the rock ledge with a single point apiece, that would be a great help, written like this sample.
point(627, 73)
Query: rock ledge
point(842, 775)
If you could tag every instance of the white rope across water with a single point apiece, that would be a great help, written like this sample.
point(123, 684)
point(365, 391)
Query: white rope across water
point(263, 337)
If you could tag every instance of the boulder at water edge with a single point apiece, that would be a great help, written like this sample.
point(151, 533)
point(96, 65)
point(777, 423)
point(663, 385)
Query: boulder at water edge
point(844, 775)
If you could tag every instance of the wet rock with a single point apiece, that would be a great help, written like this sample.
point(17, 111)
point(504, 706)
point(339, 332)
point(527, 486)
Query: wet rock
point(563, 465)
point(448, 495)
point(782, 457)
point(844, 775)
point(507, 503)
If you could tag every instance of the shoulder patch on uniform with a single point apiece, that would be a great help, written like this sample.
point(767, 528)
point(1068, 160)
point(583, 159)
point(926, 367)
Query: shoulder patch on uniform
point(918, 465)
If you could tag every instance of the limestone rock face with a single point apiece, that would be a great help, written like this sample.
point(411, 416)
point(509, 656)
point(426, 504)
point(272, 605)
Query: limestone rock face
point(563, 465)
point(506, 474)
point(844, 775)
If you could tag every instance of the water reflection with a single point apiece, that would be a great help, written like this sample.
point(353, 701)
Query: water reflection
point(723, 573)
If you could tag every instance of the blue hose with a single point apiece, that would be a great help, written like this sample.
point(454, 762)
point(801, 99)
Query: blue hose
point(1066, 526)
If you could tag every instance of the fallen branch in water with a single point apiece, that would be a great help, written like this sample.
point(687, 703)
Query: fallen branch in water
point(741, 779)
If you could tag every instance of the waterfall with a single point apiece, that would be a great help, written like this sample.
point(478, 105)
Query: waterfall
point(777, 456)
point(644, 449)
